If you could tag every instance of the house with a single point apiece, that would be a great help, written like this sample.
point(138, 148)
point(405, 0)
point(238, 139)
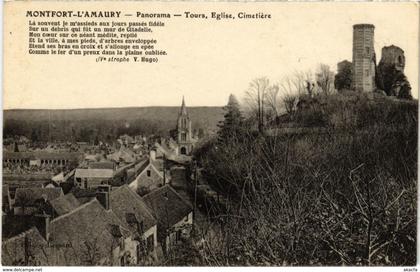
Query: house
point(122, 156)
point(126, 140)
point(83, 195)
point(41, 158)
point(163, 150)
point(92, 178)
point(130, 208)
point(26, 249)
point(148, 176)
point(27, 201)
point(82, 146)
point(91, 234)
point(121, 175)
point(173, 213)
point(64, 204)
point(59, 177)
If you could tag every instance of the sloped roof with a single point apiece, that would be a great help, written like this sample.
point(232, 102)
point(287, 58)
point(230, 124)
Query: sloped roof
point(79, 192)
point(88, 227)
point(102, 165)
point(123, 154)
point(13, 249)
point(158, 164)
point(162, 147)
point(94, 173)
point(120, 171)
point(165, 149)
point(126, 137)
point(59, 177)
point(168, 207)
point(183, 110)
point(65, 204)
point(125, 203)
point(50, 182)
point(139, 167)
point(69, 174)
point(83, 195)
point(90, 157)
point(30, 195)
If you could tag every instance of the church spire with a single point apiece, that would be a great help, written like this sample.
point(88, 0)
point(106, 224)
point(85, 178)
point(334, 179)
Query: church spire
point(183, 107)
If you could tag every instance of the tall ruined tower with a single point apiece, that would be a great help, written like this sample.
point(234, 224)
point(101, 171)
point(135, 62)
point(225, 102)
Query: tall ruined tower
point(364, 61)
point(184, 133)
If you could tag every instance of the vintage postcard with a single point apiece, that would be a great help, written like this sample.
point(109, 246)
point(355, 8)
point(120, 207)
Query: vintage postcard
point(210, 134)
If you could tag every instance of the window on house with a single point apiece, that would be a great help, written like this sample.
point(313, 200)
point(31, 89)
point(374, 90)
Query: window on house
point(183, 137)
point(148, 172)
point(367, 72)
point(122, 243)
point(139, 251)
point(367, 49)
point(178, 236)
point(141, 227)
point(150, 243)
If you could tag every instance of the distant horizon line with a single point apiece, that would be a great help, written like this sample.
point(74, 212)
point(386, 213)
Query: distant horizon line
point(102, 108)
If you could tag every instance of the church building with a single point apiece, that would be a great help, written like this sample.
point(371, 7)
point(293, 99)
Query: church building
point(184, 132)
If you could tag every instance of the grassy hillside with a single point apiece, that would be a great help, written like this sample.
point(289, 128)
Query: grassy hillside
point(345, 196)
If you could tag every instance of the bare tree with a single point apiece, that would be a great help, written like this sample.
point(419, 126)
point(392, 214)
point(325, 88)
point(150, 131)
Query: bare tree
point(23, 200)
point(272, 100)
point(290, 101)
point(325, 79)
point(255, 96)
point(293, 87)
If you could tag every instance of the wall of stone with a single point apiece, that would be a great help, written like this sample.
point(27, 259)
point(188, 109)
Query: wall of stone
point(363, 58)
point(393, 55)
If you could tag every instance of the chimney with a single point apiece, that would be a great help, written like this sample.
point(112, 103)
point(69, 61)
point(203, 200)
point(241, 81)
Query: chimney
point(152, 155)
point(140, 227)
point(43, 225)
point(102, 195)
point(47, 227)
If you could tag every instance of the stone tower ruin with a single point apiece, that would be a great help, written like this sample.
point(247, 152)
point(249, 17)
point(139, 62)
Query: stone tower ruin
point(394, 56)
point(364, 61)
point(390, 75)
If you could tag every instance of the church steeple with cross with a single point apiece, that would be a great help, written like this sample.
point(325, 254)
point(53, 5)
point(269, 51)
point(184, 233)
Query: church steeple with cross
point(184, 132)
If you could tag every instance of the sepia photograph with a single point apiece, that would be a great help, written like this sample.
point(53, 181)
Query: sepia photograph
point(227, 134)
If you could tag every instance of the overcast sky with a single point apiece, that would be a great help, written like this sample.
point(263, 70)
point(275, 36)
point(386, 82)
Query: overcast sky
point(207, 60)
